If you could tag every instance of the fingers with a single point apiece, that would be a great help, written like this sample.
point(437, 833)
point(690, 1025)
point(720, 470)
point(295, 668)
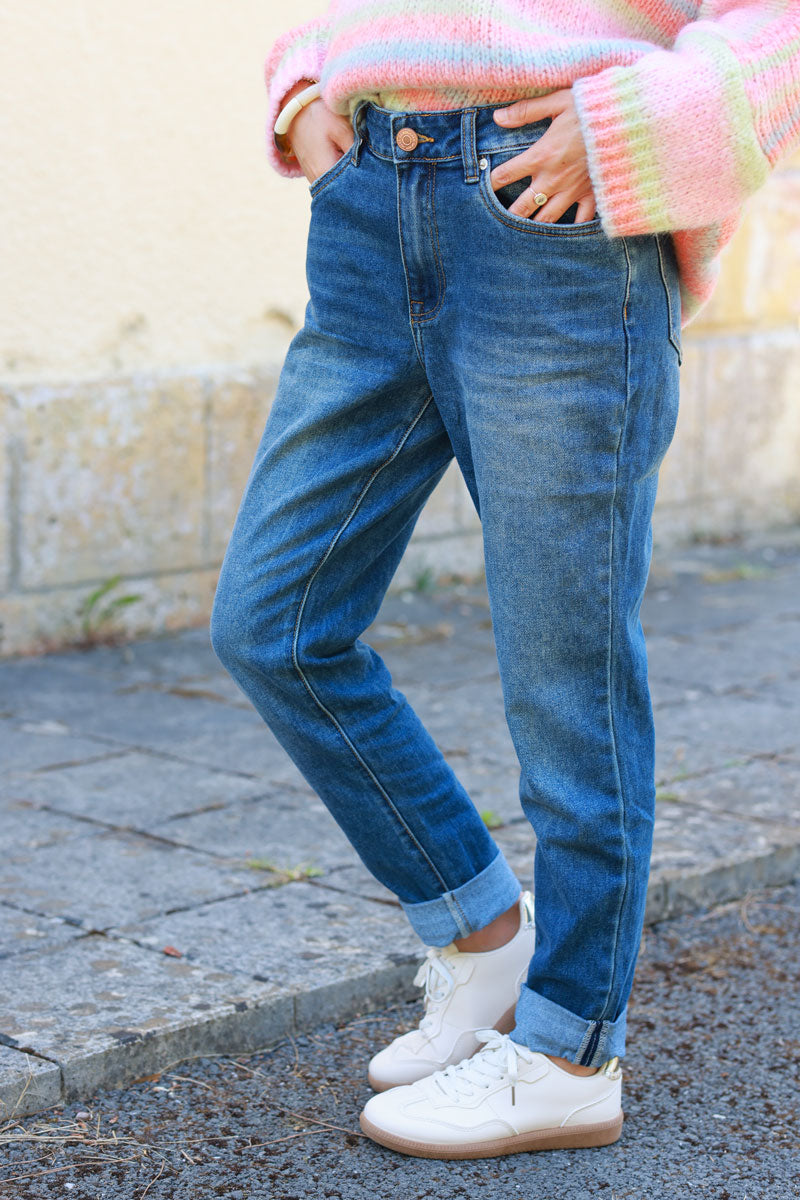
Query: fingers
point(556, 163)
point(587, 209)
point(529, 162)
point(318, 137)
point(551, 211)
point(525, 206)
point(536, 108)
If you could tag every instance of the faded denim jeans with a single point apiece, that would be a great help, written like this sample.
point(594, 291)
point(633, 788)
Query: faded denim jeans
point(545, 357)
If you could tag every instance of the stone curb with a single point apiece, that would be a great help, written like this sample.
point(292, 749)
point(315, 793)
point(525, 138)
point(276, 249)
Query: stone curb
point(30, 1083)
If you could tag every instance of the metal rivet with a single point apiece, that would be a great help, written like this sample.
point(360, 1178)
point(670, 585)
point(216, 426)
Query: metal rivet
point(483, 164)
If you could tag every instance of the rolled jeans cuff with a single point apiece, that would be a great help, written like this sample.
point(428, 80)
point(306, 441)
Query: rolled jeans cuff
point(543, 1025)
point(472, 906)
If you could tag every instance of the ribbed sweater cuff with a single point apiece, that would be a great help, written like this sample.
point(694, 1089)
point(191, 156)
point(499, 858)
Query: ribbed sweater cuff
point(622, 167)
point(670, 139)
point(606, 129)
point(297, 54)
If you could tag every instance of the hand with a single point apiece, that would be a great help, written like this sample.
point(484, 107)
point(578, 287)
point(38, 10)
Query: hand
point(316, 135)
point(556, 163)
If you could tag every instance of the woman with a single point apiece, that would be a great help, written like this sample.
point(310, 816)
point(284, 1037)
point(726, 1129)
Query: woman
point(515, 207)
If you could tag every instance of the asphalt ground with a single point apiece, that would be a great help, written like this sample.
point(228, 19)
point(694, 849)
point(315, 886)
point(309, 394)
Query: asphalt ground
point(711, 1093)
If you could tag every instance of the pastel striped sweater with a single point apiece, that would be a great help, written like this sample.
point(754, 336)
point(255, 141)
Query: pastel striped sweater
point(685, 105)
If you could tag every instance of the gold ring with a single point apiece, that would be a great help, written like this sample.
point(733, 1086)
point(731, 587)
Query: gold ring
point(540, 198)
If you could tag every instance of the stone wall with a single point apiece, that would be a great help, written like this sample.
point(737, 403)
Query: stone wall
point(140, 477)
point(735, 462)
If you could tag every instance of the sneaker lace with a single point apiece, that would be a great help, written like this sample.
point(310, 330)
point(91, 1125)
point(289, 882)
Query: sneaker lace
point(499, 1059)
point(437, 979)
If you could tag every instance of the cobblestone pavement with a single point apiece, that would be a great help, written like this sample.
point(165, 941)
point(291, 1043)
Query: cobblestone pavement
point(709, 1091)
point(170, 885)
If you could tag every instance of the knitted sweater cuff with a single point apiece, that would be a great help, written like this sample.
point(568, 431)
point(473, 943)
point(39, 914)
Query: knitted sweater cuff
point(671, 140)
point(297, 54)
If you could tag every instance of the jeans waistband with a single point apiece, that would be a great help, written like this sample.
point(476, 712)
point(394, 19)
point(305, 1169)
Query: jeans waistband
point(442, 135)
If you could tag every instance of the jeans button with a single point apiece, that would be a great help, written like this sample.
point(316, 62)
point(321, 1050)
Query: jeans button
point(406, 138)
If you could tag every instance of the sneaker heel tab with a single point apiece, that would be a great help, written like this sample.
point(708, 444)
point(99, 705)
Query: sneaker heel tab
point(612, 1069)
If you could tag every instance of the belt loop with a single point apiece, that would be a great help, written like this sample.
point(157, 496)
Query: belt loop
point(359, 118)
point(469, 149)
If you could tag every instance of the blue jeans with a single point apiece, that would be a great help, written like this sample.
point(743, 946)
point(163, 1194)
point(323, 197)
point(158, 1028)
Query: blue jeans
point(545, 357)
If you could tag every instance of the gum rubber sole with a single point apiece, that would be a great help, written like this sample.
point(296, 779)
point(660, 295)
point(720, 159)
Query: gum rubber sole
point(504, 1025)
point(378, 1085)
point(603, 1133)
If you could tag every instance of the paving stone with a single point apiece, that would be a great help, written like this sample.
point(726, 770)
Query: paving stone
point(755, 659)
point(52, 687)
point(286, 934)
point(355, 880)
point(108, 1011)
point(693, 838)
point(21, 931)
point(217, 686)
point(28, 745)
point(134, 789)
point(701, 736)
point(674, 891)
point(111, 877)
point(491, 782)
point(26, 826)
point(462, 664)
point(440, 663)
point(158, 719)
point(286, 829)
point(217, 736)
point(176, 655)
point(518, 843)
point(666, 694)
point(338, 954)
point(706, 601)
point(27, 1084)
point(703, 857)
point(159, 737)
point(765, 790)
point(248, 748)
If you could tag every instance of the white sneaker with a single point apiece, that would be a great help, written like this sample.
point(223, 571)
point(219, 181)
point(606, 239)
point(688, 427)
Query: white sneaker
point(464, 993)
point(504, 1099)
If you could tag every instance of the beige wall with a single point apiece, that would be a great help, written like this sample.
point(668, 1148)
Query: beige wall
point(141, 226)
point(151, 276)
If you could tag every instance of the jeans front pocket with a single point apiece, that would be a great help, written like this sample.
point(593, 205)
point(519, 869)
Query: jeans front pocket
point(333, 171)
point(498, 202)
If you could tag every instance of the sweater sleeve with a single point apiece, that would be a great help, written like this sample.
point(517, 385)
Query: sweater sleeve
point(679, 139)
point(297, 54)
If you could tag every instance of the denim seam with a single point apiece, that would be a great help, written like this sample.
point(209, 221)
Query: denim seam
point(536, 227)
point(457, 913)
point(405, 274)
point(423, 317)
point(674, 342)
point(583, 1046)
point(295, 661)
point(610, 644)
